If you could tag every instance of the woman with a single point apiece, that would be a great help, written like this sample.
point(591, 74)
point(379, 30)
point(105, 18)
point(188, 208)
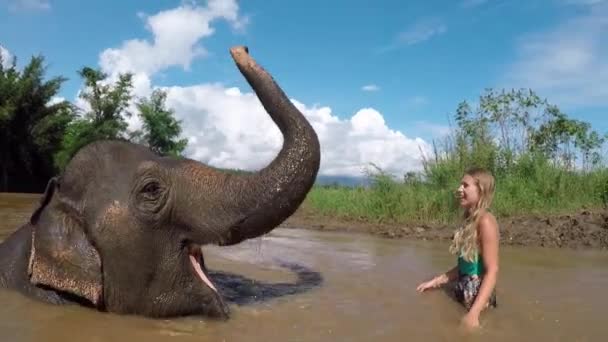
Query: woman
point(476, 244)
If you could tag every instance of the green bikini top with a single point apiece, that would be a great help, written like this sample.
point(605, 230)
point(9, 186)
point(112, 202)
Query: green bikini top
point(470, 268)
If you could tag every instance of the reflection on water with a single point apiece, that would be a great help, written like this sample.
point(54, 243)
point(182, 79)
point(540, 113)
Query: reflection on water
point(299, 285)
point(238, 289)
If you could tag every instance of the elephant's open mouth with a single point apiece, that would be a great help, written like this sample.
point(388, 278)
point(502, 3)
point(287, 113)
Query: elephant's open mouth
point(195, 255)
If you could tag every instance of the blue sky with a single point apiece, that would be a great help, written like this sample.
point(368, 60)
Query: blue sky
point(379, 79)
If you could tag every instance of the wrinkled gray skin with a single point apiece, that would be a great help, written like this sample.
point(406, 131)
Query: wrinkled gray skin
point(117, 229)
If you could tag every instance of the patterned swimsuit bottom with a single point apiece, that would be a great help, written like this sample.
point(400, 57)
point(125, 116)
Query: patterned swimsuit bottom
point(466, 290)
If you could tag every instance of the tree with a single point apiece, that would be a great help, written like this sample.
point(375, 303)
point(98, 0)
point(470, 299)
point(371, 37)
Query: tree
point(508, 124)
point(106, 117)
point(474, 140)
point(559, 136)
point(160, 128)
point(513, 113)
point(32, 124)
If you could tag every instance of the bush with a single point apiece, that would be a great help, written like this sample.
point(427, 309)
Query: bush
point(535, 167)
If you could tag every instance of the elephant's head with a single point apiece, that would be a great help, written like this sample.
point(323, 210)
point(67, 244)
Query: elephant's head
point(122, 228)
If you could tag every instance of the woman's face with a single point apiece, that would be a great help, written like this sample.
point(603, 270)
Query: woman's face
point(468, 192)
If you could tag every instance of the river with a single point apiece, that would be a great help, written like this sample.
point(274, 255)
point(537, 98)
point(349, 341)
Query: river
point(301, 285)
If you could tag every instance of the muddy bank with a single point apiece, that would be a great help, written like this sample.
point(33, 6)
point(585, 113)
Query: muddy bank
point(584, 229)
point(580, 230)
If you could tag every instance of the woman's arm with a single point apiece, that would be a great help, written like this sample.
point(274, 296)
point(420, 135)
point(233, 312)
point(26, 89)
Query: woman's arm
point(489, 238)
point(439, 280)
point(449, 276)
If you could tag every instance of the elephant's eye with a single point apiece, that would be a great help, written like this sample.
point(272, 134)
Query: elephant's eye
point(151, 187)
point(151, 190)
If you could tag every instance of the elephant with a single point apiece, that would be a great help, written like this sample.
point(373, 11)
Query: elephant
point(121, 229)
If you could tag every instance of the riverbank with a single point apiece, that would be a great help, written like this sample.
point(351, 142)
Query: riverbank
point(582, 229)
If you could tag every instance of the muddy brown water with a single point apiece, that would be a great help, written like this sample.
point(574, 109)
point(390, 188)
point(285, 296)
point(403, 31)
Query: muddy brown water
point(302, 285)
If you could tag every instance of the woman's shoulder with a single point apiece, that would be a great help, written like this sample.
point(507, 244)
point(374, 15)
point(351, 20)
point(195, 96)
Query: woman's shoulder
point(486, 215)
point(487, 221)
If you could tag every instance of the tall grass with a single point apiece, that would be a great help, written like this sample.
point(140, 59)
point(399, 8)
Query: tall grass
point(531, 186)
point(535, 175)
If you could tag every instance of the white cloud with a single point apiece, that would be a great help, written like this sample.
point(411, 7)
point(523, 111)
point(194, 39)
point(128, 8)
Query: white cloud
point(55, 100)
point(569, 64)
point(370, 87)
point(176, 36)
point(422, 30)
point(7, 57)
point(29, 5)
point(228, 127)
point(176, 33)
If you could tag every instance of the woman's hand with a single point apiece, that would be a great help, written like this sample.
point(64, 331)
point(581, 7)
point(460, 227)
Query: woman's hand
point(439, 280)
point(427, 285)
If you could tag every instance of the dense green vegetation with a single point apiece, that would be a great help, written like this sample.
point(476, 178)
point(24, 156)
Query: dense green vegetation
point(39, 134)
point(543, 162)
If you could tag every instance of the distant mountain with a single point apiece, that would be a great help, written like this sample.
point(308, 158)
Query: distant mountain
point(349, 181)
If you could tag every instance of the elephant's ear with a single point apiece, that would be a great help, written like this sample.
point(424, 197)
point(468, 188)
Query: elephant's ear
point(62, 257)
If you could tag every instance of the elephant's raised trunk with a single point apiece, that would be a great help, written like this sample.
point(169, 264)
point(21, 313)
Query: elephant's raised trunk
point(247, 206)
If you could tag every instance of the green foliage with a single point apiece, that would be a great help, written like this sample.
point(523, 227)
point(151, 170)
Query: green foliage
point(32, 125)
point(107, 101)
point(604, 193)
point(39, 135)
point(160, 128)
point(560, 131)
point(109, 105)
point(106, 117)
point(530, 146)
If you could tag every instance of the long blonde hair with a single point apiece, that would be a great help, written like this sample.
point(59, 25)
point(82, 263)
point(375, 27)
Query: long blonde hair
point(465, 238)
